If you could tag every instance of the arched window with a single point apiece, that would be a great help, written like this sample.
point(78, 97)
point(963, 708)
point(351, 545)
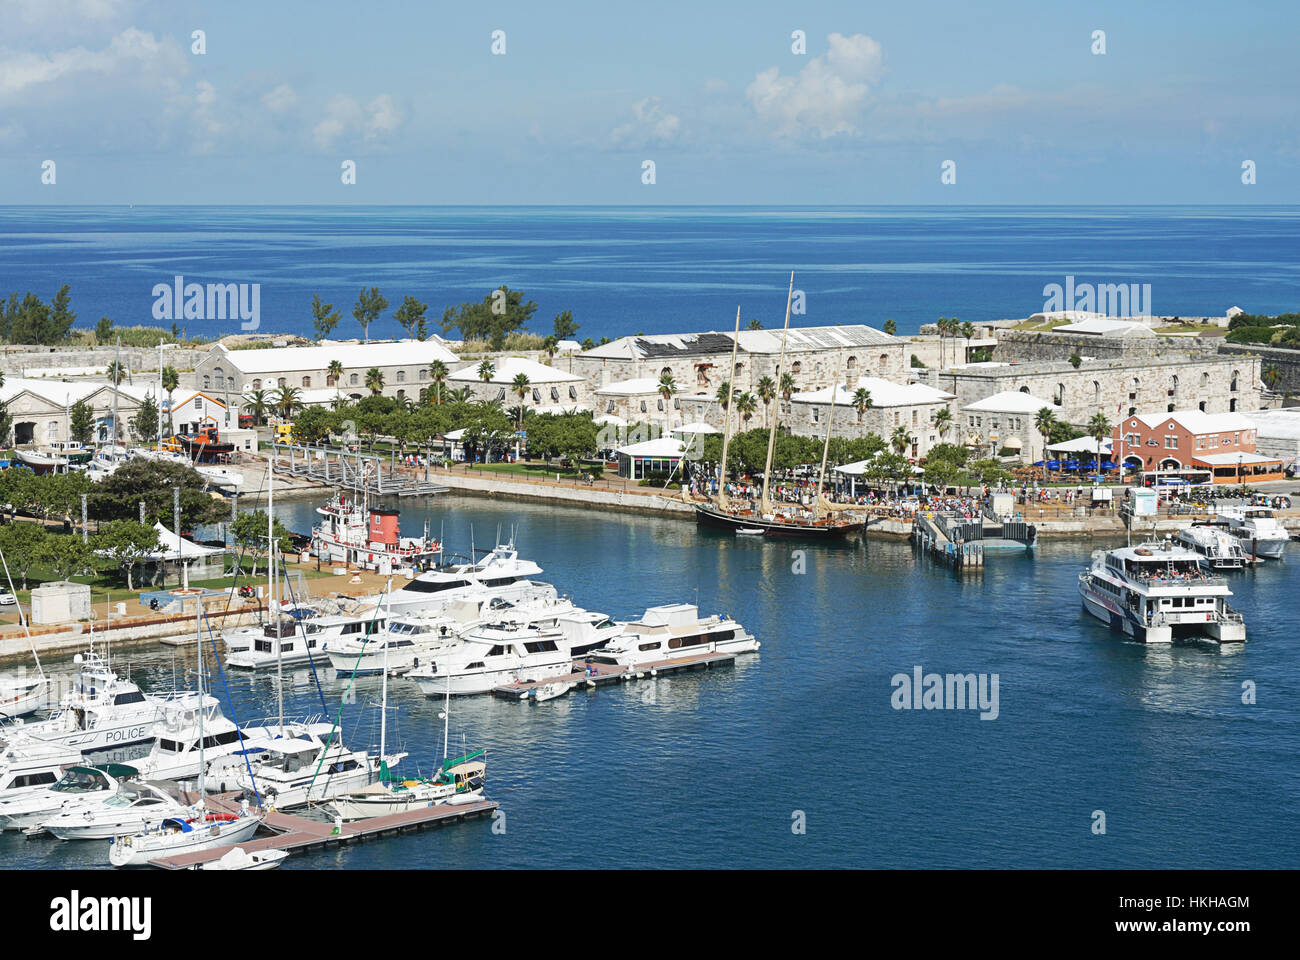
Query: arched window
point(1232, 405)
point(306, 382)
point(796, 368)
point(401, 376)
point(424, 373)
point(851, 363)
point(257, 384)
point(1096, 392)
point(1205, 379)
point(219, 377)
point(354, 379)
point(207, 383)
point(884, 359)
point(1060, 395)
point(1024, 389)
point(1173, 386)
point(401, 394)
point(1233, 385)
point(280, 382)
point(666, 372)
point(1202, 406)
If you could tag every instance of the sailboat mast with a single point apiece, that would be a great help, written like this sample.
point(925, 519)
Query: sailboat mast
point(198, 635)
point(446, 716)
point(271, 606)
point(826, 448)
point(765, 505)
point(726, 433)
point(117, 376)
point(383, 704)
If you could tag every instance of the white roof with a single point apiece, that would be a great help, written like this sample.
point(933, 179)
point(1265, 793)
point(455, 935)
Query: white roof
point(388, 353)
point(55, 391)
point(1196, 422)
point(842, 397)
point(715, 342)
point(859, 467)
point(886, 393)
point(1080, 445)
point(1232, 459)
point(454, 434)
point(609, 418)
point(171, 544)
point(659, 447)
point(1276, 424)
point(630, 388)
point(698, 426)
point(568, 346)
point(1107, 327)
point(507, 368)
point(1009, 401)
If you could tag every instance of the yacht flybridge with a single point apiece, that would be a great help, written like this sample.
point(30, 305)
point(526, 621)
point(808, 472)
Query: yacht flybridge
point(673, 632)
point(1257, 530)
point(1157, 592)
point(1219, 549)
point(499, 574)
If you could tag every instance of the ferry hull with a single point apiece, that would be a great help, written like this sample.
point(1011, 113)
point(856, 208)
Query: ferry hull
point(1105, 610)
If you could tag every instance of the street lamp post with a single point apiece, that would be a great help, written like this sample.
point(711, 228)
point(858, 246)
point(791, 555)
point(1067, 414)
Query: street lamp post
point(161, 348)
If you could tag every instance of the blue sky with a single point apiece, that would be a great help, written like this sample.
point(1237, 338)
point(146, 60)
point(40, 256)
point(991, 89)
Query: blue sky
point(586, 92)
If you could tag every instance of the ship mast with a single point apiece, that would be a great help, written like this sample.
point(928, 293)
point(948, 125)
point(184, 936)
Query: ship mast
point(765, 506)
point(726, 434)
point(818, 509)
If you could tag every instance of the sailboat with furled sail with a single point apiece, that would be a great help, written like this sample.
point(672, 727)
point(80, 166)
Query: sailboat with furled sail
point(822, 520)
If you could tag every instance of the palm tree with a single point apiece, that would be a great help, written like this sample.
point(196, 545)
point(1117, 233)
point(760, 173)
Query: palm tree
point(746, 404)
point(942, 421)
point(1044, 421)
point(725, 393)
point(259, 402)
point(117, 372)
point(170, 381)
point(788, 386)
point(519, 387)
point(1099, 428)
point(943, 329)
point(968, 330)
point(1271, 376)
point(550, 345)
point(333, 373)
point(375, 381)
point(891, 326)
point(460, 395)
point(767, 393)
point(900, 440)
point(438, 374)
point(667, 387)
point(861, 401)
point(287, 401)
point(486, 371)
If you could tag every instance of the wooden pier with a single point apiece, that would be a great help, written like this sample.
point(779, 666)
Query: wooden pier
point(294, 833)
point(599, 674)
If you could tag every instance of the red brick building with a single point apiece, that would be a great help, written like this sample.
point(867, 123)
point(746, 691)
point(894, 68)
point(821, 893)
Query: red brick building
point(1193, 446)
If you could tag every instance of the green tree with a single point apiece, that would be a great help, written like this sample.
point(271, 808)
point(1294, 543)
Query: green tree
point(1099, 428)
point(103, 331)
point(861, 401)
point(942, 421)
point(438, 374)
point(312, 425)
point(127, 543)
point(755, 325)
point(520, 389)
point(746, 405)
point(258, 404)
point(6, 422)
point(288, 400)
point(370, 304)
point(324, 318)
point(1044, 423)
point(766, 390)
point(1075, 360)
point(66, 556)
point(411, 317)
point(81, 423)
point(117, 496)
point(891, 327)
point(486, 371)
point(170, 381)
point(565, 328)
point(1271, 376)
point(968, 330)
point(334, 373)
point(145, 422)
point(117, 372)
point(500, 313)
point(375, 381)
point(23, 545)
point(788, 386)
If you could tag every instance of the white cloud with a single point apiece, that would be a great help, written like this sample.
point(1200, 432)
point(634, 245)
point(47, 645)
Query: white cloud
point(345, 117)
point(827, 97)
point(132, 52)
point(651, 126)
point(281, 99)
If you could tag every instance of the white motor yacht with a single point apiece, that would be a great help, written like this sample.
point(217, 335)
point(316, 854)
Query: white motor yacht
point(80, 786)
point(673, 632)
point(32, 767)
point(298, 642)
point(499, 574)
point(1218, 549)
point(21, 696)
point(1257, 530)
point(1157, 592)
point(295, 771)
point(134, 807)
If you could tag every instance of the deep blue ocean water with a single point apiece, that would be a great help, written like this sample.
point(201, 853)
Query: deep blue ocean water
point(708, 769)
point(654, 270)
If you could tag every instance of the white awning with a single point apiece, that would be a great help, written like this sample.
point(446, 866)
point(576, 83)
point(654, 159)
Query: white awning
point(698, 426)
point(174, 547)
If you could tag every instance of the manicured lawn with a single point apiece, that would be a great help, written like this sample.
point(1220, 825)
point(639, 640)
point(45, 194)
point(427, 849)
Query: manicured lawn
point(538, 470)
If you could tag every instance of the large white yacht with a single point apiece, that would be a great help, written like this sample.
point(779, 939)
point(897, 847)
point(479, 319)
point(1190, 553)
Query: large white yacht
point(102, 714)
point(309, 768)
point(499, 574)
point(1157, 592)
point(135, 806)
point(514, 650)
point(1257, 530)
point(1219, 550)
point(297, 642)
point(674, 632)
point(20, 696)
point(32, 767)
point(404, 642)
point(80, 786)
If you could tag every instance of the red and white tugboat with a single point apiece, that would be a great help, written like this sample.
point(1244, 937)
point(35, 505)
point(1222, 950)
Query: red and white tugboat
point(354, 532)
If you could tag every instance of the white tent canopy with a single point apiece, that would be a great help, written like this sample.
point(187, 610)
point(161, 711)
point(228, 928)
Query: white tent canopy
point(610, 420)
point(659, 447)
point(174, 546)
point(1080, 445)
point(454, 434)
point(698, 426)
point(859, 468)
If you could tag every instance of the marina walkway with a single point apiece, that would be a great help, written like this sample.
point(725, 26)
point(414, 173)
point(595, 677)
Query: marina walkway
point(605, 673)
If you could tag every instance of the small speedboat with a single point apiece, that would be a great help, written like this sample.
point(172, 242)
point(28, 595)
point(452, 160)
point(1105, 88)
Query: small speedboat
point(549, 691)
point(749, 531)
point(238, 859)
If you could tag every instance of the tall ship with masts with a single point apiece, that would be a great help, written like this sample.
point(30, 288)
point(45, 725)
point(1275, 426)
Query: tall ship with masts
point(823, 520)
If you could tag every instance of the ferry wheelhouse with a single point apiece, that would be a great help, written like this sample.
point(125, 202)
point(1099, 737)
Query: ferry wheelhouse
point(1157, 592)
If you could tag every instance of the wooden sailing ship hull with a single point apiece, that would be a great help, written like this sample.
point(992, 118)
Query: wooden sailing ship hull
point(722, 520)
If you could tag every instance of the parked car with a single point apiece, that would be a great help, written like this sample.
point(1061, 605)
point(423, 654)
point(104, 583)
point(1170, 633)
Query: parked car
point(7, 599)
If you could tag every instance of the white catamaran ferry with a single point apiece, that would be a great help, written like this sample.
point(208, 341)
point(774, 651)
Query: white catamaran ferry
point(1157, 592)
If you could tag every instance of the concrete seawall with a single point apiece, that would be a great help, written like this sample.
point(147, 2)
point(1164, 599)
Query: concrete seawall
point(582, 496)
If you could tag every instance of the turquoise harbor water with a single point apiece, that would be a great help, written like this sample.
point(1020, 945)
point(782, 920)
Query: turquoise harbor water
point(707, 769)
point(626, 270)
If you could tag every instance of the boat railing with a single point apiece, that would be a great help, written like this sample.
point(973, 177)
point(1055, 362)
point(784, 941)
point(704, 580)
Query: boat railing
point(1169, 580)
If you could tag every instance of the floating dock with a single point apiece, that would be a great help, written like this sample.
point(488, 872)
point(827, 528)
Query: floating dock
point(296, 833)
point(604, 673)
point(960, 541)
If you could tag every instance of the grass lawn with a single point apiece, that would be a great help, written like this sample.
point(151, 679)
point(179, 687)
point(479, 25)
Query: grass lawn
point(1040, 326)
point(1200, 329)
point(537, 470)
